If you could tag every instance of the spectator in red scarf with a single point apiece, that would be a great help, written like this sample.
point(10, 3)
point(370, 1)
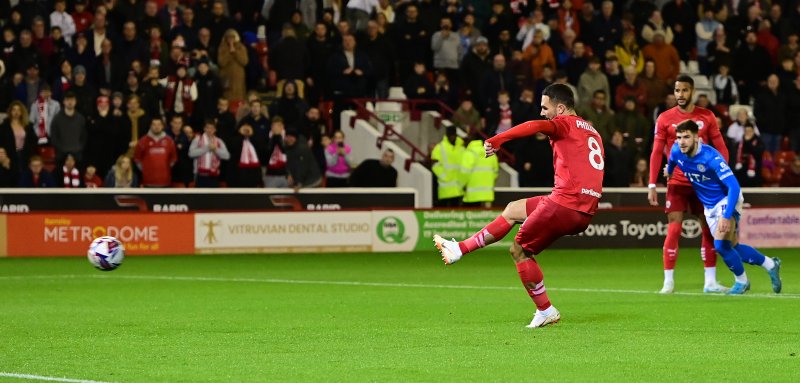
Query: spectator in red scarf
point(245, 165)
point(276, 175)
point(208, 152)
point(69, 176)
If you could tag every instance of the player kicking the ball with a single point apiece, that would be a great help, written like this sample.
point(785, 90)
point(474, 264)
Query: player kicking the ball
point(718, 190)
point(680, 196)
point(578, 161)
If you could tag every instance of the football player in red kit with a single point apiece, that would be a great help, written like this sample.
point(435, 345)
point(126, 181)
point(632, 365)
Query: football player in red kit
point(578, 159)
point(681, 197)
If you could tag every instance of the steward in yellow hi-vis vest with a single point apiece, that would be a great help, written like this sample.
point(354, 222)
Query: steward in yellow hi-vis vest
point(478, 174)
point(447, 168)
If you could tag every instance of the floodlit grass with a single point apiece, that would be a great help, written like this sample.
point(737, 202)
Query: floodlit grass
point(392, 317)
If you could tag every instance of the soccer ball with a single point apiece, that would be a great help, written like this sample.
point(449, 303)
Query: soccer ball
point(106, 253)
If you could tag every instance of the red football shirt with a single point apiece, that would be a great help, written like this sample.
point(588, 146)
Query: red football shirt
point(578, 159)
point(665, 137)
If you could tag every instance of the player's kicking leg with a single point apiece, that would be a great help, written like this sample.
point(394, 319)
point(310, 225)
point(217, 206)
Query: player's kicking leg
point(452, 250)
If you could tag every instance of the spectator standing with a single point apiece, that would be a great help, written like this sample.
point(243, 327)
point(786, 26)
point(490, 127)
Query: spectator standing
point(446, 46)
point(475, 65)
point(656, 24)
point(60, 18)
point(17, 136)
point(540, 55)
point(629, 53)
point(232, 61)
point(376, 173)
point(289, 56)
point(85, 93)
point(751, 67)
point(289, 106)
point(417, 85)
point(591, 80)
point(656, 88)
point(303, 169)
point(499, 79)
point(180, 93)
point(705, 29)
point(382, 57)
point(276, 175)
point(607, 28)
point(105, 139)
point(43, 111)
point(121, 174)
point(155, 155)
point(632, 87)
point(618, 161)
point(411, 38)
point(598, 113)
point(665, 55)
point(135, 123)
point(68, 131)
point(320, 47)
point(209, 91)
point(182, 135)
point(736, 129)
point(225, 120)
point(770, 112)
point(208, 152)
point(749, 158)
point(244, 169)
point(82, 17)
point(337, 157)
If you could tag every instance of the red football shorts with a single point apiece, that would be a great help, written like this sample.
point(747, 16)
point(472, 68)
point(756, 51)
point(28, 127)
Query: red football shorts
point(548, 221)
point(683, 198)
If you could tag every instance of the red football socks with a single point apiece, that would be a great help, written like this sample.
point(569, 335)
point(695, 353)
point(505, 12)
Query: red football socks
point(532, 278)
point(707, 251)
point(671, 245)
point(492, 233)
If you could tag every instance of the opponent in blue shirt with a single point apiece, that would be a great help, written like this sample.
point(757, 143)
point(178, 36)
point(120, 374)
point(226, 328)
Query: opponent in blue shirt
point(719, 191)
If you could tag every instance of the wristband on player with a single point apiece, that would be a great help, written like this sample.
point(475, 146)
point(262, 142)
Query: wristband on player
point(651, 186)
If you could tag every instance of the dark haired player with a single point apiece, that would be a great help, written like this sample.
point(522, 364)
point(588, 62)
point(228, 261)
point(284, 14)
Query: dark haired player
point(681, 197)
point(578, 161)
point(718, 190)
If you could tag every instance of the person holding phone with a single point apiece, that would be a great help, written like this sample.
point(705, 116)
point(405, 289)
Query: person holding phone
point(337, 158)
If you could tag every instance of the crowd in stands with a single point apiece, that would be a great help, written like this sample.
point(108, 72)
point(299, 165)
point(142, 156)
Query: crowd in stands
point(162, 93)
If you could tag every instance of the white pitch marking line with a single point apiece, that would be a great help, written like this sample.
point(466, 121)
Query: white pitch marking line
point(378, 284)
point(46, 378)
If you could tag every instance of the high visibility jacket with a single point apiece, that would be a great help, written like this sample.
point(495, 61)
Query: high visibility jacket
point(478, 173)
point(447, 167)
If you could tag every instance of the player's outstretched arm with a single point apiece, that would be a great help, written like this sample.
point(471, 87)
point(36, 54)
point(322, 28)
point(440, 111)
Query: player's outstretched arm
point(522, 130)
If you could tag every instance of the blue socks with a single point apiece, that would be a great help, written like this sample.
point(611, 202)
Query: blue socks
point(749, 254)
point(731, 256)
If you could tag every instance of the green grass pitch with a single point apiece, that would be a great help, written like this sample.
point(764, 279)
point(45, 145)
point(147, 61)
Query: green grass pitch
point(392, 317)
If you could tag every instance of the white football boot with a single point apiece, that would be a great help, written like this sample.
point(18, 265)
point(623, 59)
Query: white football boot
point(713, 288)
point(668, 287)
point(450, 251)
point(544, 318)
